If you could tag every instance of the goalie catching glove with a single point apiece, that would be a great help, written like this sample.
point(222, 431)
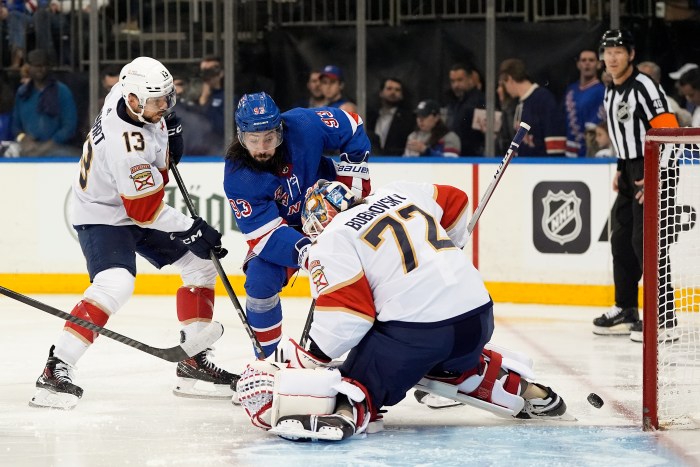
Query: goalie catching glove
point(353, 171)
point(295, 356)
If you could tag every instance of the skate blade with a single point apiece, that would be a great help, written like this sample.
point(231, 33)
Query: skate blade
point(45, 399)
point(435, 402)
point(197, 389)
point(293, 430)
point(565, 417)
point(617, 330)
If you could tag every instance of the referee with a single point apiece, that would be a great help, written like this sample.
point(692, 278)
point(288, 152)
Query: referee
point(633, 104)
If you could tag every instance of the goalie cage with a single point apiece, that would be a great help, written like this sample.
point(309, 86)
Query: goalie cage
point(671, 280)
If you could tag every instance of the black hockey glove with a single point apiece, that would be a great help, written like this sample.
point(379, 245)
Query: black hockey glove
point(176, 144)
point(201, 238)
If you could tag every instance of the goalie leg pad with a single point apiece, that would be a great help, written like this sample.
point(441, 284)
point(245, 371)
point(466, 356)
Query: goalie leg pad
point(304, 391)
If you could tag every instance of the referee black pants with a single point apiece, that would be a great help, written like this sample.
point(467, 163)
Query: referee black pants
point(627, 241)
point(627, 221)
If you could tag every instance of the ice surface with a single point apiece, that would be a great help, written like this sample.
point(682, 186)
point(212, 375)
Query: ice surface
point(128, 415)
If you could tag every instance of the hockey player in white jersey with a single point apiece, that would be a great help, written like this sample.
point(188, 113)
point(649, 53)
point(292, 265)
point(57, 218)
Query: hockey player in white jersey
point(393, 289)
point(118, 211)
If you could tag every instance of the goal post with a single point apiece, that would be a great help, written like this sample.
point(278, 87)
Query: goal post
point(671, 279)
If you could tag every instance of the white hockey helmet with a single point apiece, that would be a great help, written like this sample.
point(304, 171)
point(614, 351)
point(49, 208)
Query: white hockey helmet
point(147, 78)
point(323, 201)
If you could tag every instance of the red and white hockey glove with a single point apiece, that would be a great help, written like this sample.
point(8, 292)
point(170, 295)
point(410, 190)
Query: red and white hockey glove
point(255, 390)
point(353, 171)
point(295, 356)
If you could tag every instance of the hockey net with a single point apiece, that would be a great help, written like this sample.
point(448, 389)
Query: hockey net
point(671, 392)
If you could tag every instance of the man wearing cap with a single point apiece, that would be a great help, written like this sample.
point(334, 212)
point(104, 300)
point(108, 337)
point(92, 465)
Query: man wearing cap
point(676, 76)
point(332, 85)
point(432, 137)
point(44, 118)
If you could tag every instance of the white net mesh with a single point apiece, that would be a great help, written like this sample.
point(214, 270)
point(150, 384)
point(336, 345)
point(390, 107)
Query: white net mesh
point(678, 348)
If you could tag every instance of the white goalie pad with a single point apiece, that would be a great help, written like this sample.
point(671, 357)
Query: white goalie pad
point(309, 392)
point(518, 362)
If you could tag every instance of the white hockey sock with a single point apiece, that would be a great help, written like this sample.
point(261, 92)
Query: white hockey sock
point(69, 348)
point(194, 328)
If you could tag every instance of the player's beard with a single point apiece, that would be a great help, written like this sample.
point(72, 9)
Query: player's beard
point(236, 152)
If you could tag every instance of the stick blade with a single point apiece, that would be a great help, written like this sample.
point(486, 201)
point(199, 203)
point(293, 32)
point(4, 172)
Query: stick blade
point(203, 339)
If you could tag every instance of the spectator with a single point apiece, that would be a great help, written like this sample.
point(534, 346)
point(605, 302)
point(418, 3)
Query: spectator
point(44, 117)
point(602, 140)
point(676, 76)
point(5, 111)
point(108, 78)
point(465, 96)
point(432, 137)
point(536, 107)
point(505, 132)
point(689, 84)
point(200, 138)
point(211, 99)
point(315, 93)
point(583, 104)
point(654, 71)
point(332, 85)
point(390, 125)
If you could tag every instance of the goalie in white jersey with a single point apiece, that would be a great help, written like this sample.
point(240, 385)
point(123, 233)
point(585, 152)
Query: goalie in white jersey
point(393, 289)
point(118, 211)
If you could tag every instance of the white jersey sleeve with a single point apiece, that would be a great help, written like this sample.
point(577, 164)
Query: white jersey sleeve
point(123, 172)
point(394, 258)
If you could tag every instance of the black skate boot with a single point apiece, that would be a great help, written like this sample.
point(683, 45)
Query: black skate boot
point(551, 406)
point(55, 388)
point(199, 377)
point(616, 322)
point(667, 332)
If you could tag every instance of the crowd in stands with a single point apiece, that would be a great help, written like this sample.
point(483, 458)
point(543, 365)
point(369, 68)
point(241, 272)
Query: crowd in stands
point(44, 113)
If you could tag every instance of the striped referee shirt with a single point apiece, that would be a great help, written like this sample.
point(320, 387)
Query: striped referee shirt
point(630, 107)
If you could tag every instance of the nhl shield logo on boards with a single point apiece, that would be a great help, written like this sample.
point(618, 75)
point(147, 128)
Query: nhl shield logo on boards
point(561, 217)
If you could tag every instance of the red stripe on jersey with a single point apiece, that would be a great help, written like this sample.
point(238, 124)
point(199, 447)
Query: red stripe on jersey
point(453, 202)
point(145, 208)
point(555, 144)
point(355, 117)
point(164, 174)
point(356, 296)
point(88, 312)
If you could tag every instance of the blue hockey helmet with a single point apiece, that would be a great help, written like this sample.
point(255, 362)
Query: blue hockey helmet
point(258, 113)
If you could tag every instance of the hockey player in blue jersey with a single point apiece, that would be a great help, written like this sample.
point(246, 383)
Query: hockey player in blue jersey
point(275, 159)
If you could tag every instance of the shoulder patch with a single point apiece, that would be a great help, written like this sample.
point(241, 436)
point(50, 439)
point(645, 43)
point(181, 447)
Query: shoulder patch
point(143, 179)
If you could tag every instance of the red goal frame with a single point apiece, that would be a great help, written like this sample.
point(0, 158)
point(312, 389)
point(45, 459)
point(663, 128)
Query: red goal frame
point(654, 137)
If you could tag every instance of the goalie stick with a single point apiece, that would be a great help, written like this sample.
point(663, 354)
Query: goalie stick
point(517, 139)
point(220, 270)
point(197, 344)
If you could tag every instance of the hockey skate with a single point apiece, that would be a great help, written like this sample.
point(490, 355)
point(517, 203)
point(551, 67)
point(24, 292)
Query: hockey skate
point(302, 428)
point(616, 322)
point(55, 388)
point(664, 333)
point(550, 407)
point(200, 378)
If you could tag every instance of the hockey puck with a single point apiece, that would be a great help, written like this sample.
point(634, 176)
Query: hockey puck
point(595, 400)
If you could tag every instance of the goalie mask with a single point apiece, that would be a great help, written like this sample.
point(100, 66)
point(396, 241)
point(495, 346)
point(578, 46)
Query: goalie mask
point(323, 201)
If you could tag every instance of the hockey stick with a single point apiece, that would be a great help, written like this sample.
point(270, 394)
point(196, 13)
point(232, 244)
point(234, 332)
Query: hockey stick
point(201, 341)
point(517, 139)
point(220, 270)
